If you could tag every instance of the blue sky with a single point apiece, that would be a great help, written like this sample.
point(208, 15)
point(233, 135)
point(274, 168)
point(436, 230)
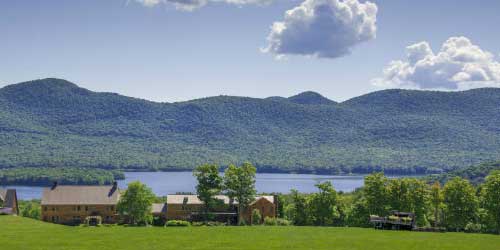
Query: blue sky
point(162, 53)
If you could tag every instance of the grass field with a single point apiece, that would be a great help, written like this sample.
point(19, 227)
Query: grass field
point(24, 234)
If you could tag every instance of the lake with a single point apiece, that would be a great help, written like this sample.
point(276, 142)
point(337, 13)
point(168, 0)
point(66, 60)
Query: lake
point(163, 183)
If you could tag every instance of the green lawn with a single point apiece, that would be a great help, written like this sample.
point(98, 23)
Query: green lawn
point(23, 234)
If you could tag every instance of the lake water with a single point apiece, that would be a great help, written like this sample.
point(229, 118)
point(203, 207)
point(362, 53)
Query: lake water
point(163, 183)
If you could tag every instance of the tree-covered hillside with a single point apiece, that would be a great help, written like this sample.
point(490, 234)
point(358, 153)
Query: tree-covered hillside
point(52, 122)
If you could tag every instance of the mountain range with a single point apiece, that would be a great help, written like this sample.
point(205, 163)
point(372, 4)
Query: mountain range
point(53, 122)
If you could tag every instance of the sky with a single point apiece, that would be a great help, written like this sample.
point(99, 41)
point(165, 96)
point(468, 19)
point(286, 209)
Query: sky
point(176, 50)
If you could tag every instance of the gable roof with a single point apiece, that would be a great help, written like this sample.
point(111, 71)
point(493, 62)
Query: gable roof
point(269, 198)
point(194, 200)
point(80, 195)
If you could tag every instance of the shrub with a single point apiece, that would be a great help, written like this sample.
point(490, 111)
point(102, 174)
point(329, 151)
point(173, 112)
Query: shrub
point(268, 221)
point(256, 217)
point(473, 228)
point(177, 223)
point(242, 222)
point(209, 224)
point(393, 218)
point(406, 219)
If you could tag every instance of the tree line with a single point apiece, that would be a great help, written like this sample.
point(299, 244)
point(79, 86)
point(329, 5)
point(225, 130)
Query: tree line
point(45, 176)
point(456, 206)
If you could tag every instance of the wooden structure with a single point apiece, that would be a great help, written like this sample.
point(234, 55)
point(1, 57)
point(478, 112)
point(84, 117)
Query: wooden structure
point(72, 205)
point(190, 208)
point(8, 202)
point(396, 221)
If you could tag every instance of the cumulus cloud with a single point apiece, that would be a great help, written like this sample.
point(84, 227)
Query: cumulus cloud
point(323, 28)
point(190, 5)
point(458, 65)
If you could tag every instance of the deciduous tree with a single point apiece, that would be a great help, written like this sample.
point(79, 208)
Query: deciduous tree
point(461, 203)
point(491, 198)
point(436, 201)
point(136, 202)
point(209, 185)
point(323, 204)
point(239, 183)
point(376, 194)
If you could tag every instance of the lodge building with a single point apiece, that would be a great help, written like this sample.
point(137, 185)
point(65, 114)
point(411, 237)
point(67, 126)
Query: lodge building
point(73, 205)
point(190, 208)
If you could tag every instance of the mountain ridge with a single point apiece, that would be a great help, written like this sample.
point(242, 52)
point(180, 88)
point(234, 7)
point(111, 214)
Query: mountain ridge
point(53, 122)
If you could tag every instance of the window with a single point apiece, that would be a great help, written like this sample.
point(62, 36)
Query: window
point(44, 208)
point(78, 208)
point(53, 208)
point(86, 208)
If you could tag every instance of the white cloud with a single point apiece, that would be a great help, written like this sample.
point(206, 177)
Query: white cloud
point(323, 28)
point(190, 5)
point(459, 65)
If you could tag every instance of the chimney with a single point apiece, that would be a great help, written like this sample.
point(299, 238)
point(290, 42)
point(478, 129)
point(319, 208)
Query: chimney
point(113, 188)
point(54, 185)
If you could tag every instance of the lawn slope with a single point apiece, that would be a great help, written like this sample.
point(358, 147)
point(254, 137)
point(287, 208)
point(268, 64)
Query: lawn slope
point(22, 233)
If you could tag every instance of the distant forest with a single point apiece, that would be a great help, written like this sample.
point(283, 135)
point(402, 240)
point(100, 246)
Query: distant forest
point(54, 123)
point(68, 176)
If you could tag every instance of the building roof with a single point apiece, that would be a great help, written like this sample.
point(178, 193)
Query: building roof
point(270, 198)
point(193, 199)
point(159, 208)
point(80, 195)
point(8, 196)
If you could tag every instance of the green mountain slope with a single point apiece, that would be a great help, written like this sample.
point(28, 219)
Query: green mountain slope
point(52, 122)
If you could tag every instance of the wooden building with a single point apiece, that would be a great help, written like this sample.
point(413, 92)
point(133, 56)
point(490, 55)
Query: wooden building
point(8, 202)
point(73, 205)
point(190, 208)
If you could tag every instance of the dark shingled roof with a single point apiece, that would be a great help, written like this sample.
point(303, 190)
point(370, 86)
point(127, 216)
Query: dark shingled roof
point(80, 195)
point(159, 208)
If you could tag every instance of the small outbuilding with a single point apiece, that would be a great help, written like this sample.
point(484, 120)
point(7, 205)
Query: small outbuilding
point(8, 202)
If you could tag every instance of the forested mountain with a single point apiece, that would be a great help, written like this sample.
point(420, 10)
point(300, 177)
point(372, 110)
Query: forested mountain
point(52, 122)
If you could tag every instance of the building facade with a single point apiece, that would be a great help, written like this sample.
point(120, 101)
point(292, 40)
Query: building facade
point(190, 208)
point(73, 205)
